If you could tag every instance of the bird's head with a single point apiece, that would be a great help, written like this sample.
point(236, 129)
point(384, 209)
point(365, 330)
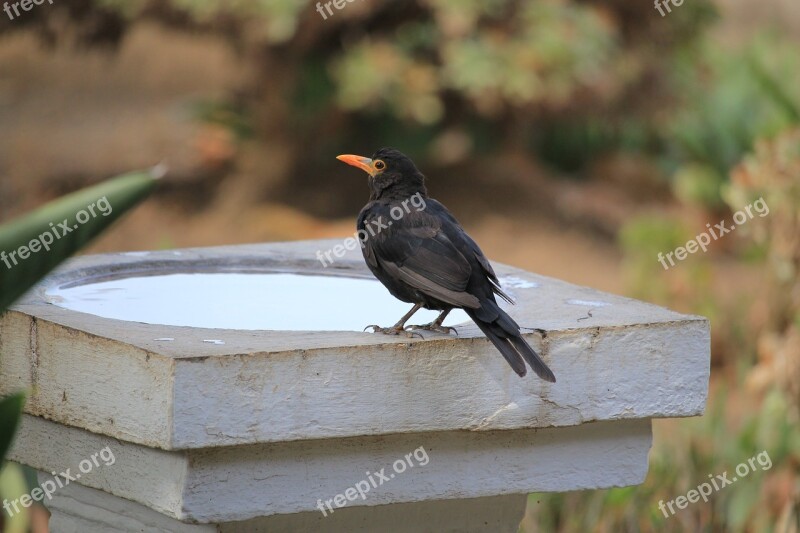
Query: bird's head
point(391, 174)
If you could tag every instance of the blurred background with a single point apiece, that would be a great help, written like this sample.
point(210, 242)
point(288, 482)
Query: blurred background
point(576, 139)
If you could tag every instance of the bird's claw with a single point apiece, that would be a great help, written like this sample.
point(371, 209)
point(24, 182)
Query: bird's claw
point(438, 328)
point(392, 331)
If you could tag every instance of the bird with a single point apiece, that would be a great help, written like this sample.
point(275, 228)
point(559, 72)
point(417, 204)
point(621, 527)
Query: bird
point(418, 250)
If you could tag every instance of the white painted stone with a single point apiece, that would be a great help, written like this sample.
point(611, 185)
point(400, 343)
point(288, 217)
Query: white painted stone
point(627, 360)
point(235, 483)
point(249, 432)
point(79, 509)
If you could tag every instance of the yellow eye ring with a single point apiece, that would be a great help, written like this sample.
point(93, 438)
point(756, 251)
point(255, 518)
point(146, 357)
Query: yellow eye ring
point(380, 165)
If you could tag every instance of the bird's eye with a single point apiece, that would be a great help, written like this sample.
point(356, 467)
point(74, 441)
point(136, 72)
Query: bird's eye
point(380, 165)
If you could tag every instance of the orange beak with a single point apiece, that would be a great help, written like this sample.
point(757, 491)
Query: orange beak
point(364, 163)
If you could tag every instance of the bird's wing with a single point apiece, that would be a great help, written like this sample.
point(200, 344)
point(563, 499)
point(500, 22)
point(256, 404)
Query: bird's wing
point(474, 249)
point(487, 269)
point(419, 253)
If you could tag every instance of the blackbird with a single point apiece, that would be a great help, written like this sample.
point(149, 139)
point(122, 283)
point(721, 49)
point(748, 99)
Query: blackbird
point(420, 252)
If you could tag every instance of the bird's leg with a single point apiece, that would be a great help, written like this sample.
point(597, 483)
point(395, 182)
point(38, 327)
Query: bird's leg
point(436, 325)
point(398, 328)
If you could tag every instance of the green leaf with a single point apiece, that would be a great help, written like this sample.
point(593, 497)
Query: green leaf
point(773, 89)
point(12, 486)
point(34, 244)
point(10, 412)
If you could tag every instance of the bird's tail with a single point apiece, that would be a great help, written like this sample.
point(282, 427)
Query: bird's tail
point(504, 334)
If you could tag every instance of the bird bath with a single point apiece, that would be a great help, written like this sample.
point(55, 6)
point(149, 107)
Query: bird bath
point(237, 391)
point(244, 301)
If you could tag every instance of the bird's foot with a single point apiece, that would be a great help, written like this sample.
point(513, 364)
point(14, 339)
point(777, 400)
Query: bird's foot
point(433, 326)
point(394, 330)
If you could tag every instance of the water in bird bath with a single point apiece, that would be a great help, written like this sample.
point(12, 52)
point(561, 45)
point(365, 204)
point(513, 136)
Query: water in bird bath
point(253, 301)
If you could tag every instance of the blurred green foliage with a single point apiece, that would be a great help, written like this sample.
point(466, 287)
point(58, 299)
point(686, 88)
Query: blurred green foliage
point(543, 53)
point(771, 174)
point(13, 484)
point(642, 239)
point(713, 444)
point(729, 97)
point(10, 413)
point(550, 76)
point(273, 21)
point(761, 410)
point(12, 478)
point(566, 80)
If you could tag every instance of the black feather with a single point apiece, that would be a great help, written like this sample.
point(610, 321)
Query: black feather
point(426, 258)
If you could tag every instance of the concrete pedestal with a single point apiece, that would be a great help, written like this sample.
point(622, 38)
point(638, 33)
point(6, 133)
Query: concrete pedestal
point(257, 433)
